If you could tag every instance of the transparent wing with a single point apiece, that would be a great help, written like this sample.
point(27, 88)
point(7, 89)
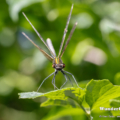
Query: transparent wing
point(45, 54)
point(50, 45)
point(37, 33)
point(65, 31)
point(68, 40)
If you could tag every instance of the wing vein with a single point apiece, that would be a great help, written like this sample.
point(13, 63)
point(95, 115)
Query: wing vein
point(69, 37)
point(46, 54)
point(65, 31)
point(37, 32)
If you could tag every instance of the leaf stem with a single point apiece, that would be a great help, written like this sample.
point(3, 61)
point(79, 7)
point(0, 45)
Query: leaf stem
point(80, 105)
point(88, 115)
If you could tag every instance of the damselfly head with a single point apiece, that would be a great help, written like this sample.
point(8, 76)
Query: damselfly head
point(58, 64)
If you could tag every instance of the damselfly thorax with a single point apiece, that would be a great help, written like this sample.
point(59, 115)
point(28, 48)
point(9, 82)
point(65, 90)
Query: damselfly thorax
point(57, 63)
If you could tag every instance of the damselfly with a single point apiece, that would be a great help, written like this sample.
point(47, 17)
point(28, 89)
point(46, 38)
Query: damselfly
point(58, 65)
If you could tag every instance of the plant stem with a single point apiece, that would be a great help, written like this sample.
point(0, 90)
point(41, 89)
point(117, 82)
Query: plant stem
point(88, 115)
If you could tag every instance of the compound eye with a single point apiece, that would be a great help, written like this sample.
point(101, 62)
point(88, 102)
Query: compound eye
point(63, 65)
point(53, 65)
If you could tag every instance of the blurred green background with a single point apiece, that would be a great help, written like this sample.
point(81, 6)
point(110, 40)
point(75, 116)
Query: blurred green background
point(93, 52)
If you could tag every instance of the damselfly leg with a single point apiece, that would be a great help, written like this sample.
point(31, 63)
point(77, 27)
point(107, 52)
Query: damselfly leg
point(73, 78)
point(44, 81)
point(53, 80)
point(67, 78)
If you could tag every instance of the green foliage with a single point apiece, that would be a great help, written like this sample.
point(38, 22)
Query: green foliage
point(92, 53)
point(100, 92)
point(115, 103)
point(16, 5)
point(65, 112)
point(97, 93)
point(58, 97)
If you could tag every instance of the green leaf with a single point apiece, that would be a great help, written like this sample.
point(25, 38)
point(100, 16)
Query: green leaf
point(16, 5)
point(66, 103)
point(99, 92)
point(59, 95)
point(115, 103)
point(65, 112)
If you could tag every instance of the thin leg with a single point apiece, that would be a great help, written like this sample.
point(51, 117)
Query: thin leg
point(53, 80)
point(67, 77)
point(73, 77)
point(44, 81)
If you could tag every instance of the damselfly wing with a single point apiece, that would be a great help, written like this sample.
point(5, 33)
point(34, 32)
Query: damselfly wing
point(58, 65)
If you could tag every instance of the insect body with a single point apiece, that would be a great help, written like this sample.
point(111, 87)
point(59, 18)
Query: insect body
point(58, 65)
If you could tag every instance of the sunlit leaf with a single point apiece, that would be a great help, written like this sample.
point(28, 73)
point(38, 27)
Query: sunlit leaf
point(99, 92)
point(76, 94)
point(115, 104)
